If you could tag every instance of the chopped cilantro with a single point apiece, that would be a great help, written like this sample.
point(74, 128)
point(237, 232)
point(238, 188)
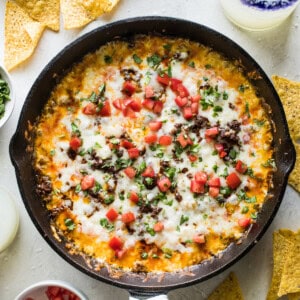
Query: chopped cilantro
point(206, 103)
point(52, 152)
point(122, 196)
point(169, 70)
point(250, 199)
point(208, 66)
point(245, 209)
point(215, 152)
point(170, 172)
point(270, 163)
point(259, 123)
point(247, 111)
point(109, 226)
point(70, 224)
point(110, 199)
point(242, 88)
point(225, 95)
point(225, 191)
point(122, 163)
point(75, 129)
point(107, 59)
point(191, 64)
point(215, 168)
point(183, 219)
point(154, 255)
point(254, 216)
point(102, 89)
point(167, 47)
point(154, 61)
point(232, 154)
point(78, 188)
point(144, 255)
point(137, 59)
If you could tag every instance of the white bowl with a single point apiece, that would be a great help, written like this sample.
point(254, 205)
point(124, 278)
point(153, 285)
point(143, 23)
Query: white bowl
point(9, 106)
point(37, 290)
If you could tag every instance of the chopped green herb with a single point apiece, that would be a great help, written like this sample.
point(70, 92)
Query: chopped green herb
point(150, 230)
point(170, 172)
point(4, 95)
point(205, 216)
point(247, 111)
point(122, 196)
point(217, 109)
point(122, 163)
point(148, 77)
point(208, 66)
point(191, 64)
point(254, 216)
point(215, 168)
point(225, 173)
point(205, 78)
point(169, 70)
point(206, 103)
point(52, 152)
point(137, 59)
point(144, 255)
point(92, 97)
point(78, 188)
point(270, 163)
point(167, 47)
point(250, 199)
point(242, 88)
point(154, 61)
point(97, 188)
point(110, 199)
point(109, 226)
point(259, 123)
point(70, 224)
point(215, 152)
point(225, 95)
point(154, 255)
point(245, 209)
point(225, 191)
point(102, 89)
point(232, 154)
point(107, 59)
point(75, 129)
point(183, 219)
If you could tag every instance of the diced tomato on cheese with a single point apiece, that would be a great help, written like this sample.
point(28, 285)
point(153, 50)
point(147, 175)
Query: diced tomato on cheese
point(112, 214)
point(133, 152)
point(214, 182)
point(149, 172)
point(75, 143)
point(195, 108)
point(241, 167)
point(135, 105)
point(165, 140)
point(133, 197)
point(87, 182)
point(129, 112)
point(118, 104)
point(151, 138)
point(158, 227)
point(120, 253)
point(175, 83)
point(182, 91)
point(187, 112)
point(196, 187)
point(181, 101)
point(199, 239)
point(163, 79)
point(53, 290)
point(213, 191)
point(184, 140)
point(128, 88)
point(128, 217)
point(130, 172)
point(164, 184)
point(149, 92)
point(115, 243)
point(126, 144)
point(244, 222)
point(158, 106)
point(195, 99)
point(148, 104)
point(211, 132)
point(192, 157)
point(201, 177)
point(105, 111)
point(90, 109)
point(233, 180)
point(155, 125)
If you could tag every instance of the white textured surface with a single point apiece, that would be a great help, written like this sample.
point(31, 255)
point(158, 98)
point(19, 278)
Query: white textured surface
point(29, 259)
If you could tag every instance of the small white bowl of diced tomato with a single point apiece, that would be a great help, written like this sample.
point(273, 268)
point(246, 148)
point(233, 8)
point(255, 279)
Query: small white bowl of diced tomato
point(51, 290)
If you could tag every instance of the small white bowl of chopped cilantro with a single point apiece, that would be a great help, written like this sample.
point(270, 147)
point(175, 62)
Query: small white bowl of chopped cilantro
point(6, 96)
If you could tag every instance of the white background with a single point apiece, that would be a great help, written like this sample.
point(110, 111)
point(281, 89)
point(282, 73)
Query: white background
point(29, 259)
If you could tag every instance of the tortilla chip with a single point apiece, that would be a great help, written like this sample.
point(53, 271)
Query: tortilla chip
point(97, 8)
point(295, 296)
point(229, 289)
point(22, 35)
point(290, 280)
point(281, 249)
point(289, 93)
point(43, 11)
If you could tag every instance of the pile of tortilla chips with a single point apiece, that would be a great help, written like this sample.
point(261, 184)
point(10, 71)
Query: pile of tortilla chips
point(25, 21)
point(286, 269)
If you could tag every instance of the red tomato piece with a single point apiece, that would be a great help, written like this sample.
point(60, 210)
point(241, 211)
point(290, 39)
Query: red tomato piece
point(112, 214)
point(148, 104)
point(129, 112)
point(214, 182)
point(181, 101)
point(164, 184)
point(195, 108)
point(128, 217)
point(211, 132)
point(151, 138)
point(187, 112)
point(158, 227)
point(201, 177)
point(233, 180)
point(213, 191)
point(87, 182)
point(241, 167)
point(182, 90)
point(222, 154)
point(135, 105)
point(128, 88)
point(164, 79)
point(155, 125)
point(149, 92)
point(53, 290)
point(115, 243)
point(57, 298)
point(195, 99)
point(90, 109)
point(244, 222)
point(174, 84)
point(184, 140)
point(133, 152)
point(105, 111)
point(126, 144)
point(120, 253)
point(134, 197)
point(196, 187)
point(118, 104)
point(158, 106)
point(165, 140)
point(192, 157)
point(219, 147)
point(75, 143)
point(130, 172)
point(149, 172)
point(199, 239)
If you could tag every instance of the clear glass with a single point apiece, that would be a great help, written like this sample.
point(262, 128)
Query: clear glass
point(258, 14)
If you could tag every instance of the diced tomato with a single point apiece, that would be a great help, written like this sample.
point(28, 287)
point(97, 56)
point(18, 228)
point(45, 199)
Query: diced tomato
point(57, 298)
point(134, 197)
point(222, 154)
point(219, 147)
point(155, 125)
point(199, 239)
point(192, 157)
point(151, 138)
point(187, 112)
point(233, 180)
point(120, 253)
point(130, 172)
point(158, 106)
point(53, 290)
point(196, 187)
point(213, 191)
point(118, 104)
point(201, 177)
point(214, 182)
point(164, 184)
point(135, 105)
point(115, 243)
point(90, 109)
point(165, 140)
point(128, 217)
point(175, 83)
point(128, 88)
point(195, 108)
point(182, 91)
point(129, 112)
point(87, 182)
point(149, 172)
point(112, 214)
point(241, 167)
point(211, 132)
point(148, 104)
point(195, 99)
point(244, 222)
point(127, 101)
point(126, 144)
point(184, 140)
point(158, 227)
point(133, 152)
point(164, 79)
point(149, 92)
point(181, 101)
point(105, 111)
point(75, 143)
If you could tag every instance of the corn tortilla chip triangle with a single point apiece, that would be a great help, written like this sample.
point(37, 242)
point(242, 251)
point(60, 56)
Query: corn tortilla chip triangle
point(281, 249)
point(21, 35)
point(97, 8)
point(229, 289)
point(289, 93)
point(43, 11)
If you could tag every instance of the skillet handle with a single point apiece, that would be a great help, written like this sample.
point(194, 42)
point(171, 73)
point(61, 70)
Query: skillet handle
point(140, 296)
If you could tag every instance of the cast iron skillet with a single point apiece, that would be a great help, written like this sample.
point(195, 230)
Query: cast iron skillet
point(39, 93)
